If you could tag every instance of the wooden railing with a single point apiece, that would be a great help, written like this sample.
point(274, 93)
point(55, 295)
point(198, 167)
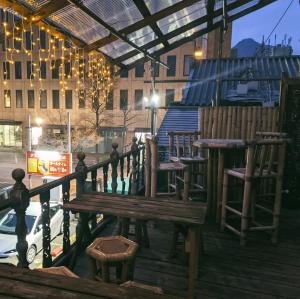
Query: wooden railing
point(20, 196)
point(237, 122)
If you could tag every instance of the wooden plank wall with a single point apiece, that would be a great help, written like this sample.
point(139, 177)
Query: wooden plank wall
point(237, 122)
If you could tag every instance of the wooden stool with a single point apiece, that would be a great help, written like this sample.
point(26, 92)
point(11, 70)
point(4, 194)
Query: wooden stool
point(63, 271)
point(113, 251)
point(133, 284)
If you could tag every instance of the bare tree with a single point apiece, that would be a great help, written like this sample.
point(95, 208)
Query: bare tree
point(128, 119)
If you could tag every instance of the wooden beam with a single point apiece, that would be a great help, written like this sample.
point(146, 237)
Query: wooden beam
point(210, 12)
point(180, 42)
point(142, 23)
point(142, 7)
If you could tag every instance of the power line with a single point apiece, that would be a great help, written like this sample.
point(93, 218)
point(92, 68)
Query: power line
point(279, 20)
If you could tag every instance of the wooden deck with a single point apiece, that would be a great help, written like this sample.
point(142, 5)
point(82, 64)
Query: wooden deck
point(260, 270)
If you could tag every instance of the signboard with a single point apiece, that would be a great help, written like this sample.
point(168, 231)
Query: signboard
point(46, 163)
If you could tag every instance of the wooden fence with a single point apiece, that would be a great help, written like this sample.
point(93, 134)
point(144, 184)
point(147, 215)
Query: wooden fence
point(237, 122)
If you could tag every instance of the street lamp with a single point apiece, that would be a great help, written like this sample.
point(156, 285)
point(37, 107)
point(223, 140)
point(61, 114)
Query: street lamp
point(199, 49)
point(152, 103)
point(39, 121)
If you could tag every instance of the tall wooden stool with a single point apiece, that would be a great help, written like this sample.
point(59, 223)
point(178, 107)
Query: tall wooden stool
point(265, 163)
point(113, 251)
point(62, 270)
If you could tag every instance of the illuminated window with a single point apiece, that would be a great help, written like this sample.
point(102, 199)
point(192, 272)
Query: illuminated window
point(7, 98)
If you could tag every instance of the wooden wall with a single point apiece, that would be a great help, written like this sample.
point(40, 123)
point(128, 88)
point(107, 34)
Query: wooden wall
point(237, 122)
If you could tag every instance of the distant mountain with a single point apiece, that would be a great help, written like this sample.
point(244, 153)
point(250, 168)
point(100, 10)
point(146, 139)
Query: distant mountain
point(246, 47)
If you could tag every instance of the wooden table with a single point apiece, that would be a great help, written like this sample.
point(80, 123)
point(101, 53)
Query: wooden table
point(218, 150)
point(24, 283)
point(191, 214)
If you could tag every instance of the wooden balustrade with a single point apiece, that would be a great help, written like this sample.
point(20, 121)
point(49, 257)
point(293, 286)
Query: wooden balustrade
point(20, 196)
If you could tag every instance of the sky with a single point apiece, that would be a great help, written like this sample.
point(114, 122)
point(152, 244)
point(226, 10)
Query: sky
point(262, 21)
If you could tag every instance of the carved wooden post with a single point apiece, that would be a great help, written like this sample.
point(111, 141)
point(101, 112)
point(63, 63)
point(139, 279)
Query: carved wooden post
point(66, 199)
point(134, 150)
point(82, 170)
point(147, 168)
point(114, 156)
point(105, 177)
point(19, 201)
point(143, 166)
point(94, 188)
point(122, 175)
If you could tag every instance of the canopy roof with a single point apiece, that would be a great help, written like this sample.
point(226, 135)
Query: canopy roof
point(131, 31)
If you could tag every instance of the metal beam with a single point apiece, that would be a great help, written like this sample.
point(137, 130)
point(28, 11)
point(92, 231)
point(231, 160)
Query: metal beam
point(210, 12)
point(216, 25)
point(185, 28)
point(142, 7)
point(142, 23)
point(114, 31)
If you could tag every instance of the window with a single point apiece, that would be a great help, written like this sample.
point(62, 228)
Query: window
point(55, 99)
point(19, 99)
point(30, 94)
point(68, 99)
point(30, 70)
point(68, 70)
point(187, 64)
point(43, 70)
point(6, 70)
point(123, 99)
point(43, 99)
point(170, 96)
point(171, 62)
point(81, 99)
point(42, 39)
point(110, 101)
point(55, 68)
point(124, 73)
point(7, 99)
point(139, 70)
point(138, 99)
point(155, 67)
point(18, 70)
point(28, 40)
point(17, 34)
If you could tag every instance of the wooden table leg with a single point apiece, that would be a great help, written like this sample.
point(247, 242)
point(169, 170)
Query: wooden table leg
point(220, 184)
point(194, 238)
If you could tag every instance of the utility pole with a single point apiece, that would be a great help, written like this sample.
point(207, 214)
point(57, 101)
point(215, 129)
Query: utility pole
point(29, 146)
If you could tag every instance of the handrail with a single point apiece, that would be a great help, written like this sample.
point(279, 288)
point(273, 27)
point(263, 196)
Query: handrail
point(19, 198)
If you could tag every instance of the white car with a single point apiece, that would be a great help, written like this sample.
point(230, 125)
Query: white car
point(8, 237)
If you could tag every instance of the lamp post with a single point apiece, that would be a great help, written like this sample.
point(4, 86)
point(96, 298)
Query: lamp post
point(152, 104)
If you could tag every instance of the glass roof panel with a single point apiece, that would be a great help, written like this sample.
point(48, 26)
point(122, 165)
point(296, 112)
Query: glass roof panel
point(219, 3)
point(117, 13)
point(34, 4)
point(156, 5)
point(116, 49)
point(142, 36)
point(133, 59)
point(157, 47)
point(182, 17)
point(242, 7)
point(79, 24)
point(188, 33)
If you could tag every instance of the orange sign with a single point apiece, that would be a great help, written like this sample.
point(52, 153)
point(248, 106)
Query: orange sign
point(48, 163)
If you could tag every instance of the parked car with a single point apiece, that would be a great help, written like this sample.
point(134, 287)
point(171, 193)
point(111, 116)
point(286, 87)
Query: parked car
point(33, 218)
point(5, 188)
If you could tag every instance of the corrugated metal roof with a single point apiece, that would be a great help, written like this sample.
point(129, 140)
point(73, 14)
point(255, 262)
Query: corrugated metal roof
point(249, 68)
point(177, 119)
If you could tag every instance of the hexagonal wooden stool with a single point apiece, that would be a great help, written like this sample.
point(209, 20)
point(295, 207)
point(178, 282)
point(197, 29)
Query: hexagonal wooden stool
point(63, 271)
point(113, 251)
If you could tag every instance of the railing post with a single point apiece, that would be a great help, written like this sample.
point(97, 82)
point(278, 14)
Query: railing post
point(143, 166)
point(114, 156)
point(122, 174)
point(19, 201)
point(66, 228)
point(134, 150)
point(82, 170)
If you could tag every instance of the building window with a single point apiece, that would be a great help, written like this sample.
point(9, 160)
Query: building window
point(30, 94)
point(55, 99)
point(18, 70)
point(17, 34)
point(171, 62)
point(42, 39)
point(139, 70)
point(43, 70)
point(30, 70)
point(81, 99)
point(155, 67)
point(170, 96)
point(28, 40)
point(138, 99)
point(19, 99)
point(187, 64)
point(110, 101)
point(124, 73)
point(69, 99)
point(123, 99)
point(55, 68)
point(68, 70)
point(7, 98)
point(6, 70)
point(43, 99)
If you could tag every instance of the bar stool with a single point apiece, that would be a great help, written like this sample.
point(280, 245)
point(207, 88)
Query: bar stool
point(265, 164)
point(114, 251)
point(62, 270)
